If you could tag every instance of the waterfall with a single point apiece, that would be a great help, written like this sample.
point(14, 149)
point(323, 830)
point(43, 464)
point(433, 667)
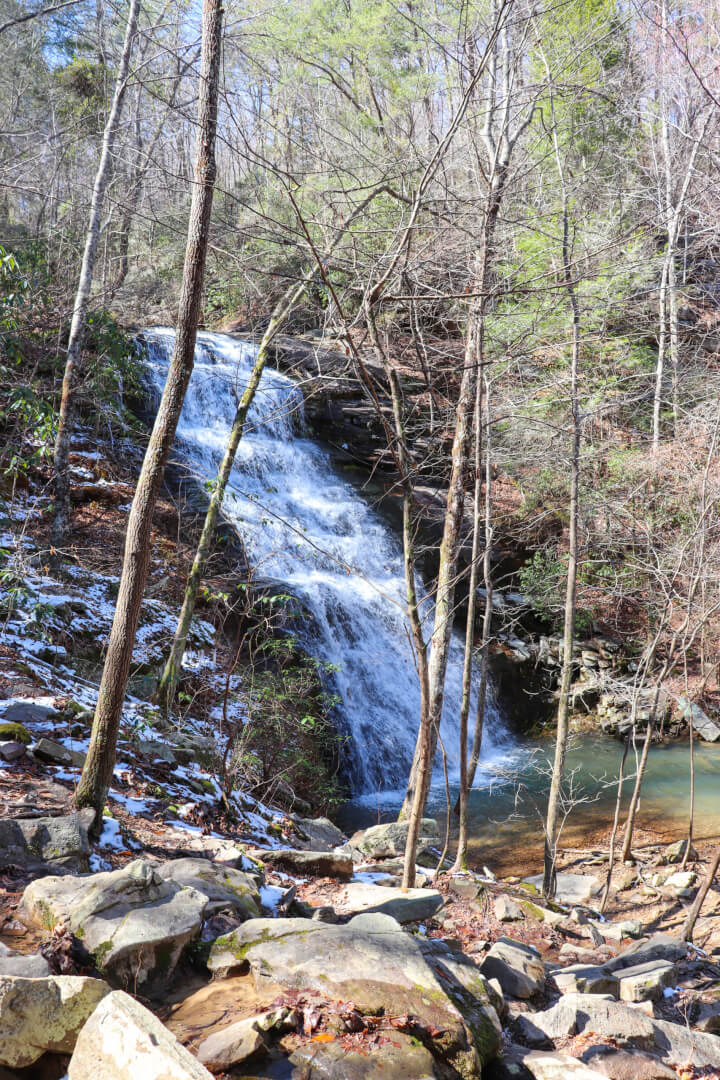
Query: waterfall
point(305, 526)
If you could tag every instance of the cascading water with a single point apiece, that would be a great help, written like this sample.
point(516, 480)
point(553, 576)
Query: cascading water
point(305, 526)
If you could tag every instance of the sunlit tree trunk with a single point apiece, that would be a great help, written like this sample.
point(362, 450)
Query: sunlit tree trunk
point(82, 297)
point(97, 771)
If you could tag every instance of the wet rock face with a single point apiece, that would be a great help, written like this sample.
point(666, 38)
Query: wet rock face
point(381, 969)
point(137, 921)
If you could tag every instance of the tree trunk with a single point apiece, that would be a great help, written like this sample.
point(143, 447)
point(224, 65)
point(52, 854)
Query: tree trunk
point(692, 916)
point(98, 768)
point(82, 297)
point(635, 798)
point(461, 856)
point(552, 825)
point(488, 613)
point(421, 771)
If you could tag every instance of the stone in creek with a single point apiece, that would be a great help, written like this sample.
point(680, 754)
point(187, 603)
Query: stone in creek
point(57, 842)
point(388, 841)
point(399, 1057)
point(553, 1066)
point(12, 751)
point(517, 967)
point(681, 882)
point(233, 1044)
point(54, 753)
point(627, 1064)
point(318, 834)
point(137, 921)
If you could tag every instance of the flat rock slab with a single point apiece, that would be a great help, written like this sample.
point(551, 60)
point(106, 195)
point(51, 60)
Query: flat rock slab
point(586, 979)
point(517, 967)
point(627, 1064)
point(554, 1066)
point(372, 962)
point(60, 843)
point(334, 864)
point(27, 965)
point(136, 921)
point(39, 1015)
point(124, 1041)
point(679, 1045)
point(570, 888)
point(574, 1013)
point(411, 905)
point(646, 982)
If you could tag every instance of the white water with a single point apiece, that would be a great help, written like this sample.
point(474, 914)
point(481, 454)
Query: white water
point(306, 527)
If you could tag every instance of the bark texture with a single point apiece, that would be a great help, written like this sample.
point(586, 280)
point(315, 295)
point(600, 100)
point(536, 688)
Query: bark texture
point(98, 768)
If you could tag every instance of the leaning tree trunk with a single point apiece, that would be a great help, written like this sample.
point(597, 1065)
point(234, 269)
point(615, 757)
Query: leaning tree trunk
point(98, 768)
point(692, 915)
point(552, 824)
point(82, 296)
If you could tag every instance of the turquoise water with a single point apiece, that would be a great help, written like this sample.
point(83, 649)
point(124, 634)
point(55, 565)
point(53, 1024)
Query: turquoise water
point(507, 805)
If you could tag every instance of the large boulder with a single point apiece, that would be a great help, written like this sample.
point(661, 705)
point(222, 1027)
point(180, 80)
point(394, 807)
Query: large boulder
point(570, 889)
point(405, 905)
point(389, 840)
point(224, 887)
point(124, 1041)
point(678, 1044)
point(318, 834)
point(60, 843)
point(37, 1015)
point(335, 864)
point(136, 921)
point(371, 962)
point(517, 967)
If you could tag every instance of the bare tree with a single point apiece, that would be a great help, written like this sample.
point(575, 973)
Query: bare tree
point(97, 771)
point(82, 296)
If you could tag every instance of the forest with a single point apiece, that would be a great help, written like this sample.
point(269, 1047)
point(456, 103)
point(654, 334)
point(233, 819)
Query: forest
point(359, 539)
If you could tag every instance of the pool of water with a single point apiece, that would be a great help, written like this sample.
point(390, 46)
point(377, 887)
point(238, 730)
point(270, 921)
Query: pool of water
point(509, 799)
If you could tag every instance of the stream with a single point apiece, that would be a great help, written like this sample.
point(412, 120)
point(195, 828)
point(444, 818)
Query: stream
point(307, 529)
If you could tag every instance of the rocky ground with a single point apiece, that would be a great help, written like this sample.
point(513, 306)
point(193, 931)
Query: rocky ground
point(209, 933)
point(270, 945)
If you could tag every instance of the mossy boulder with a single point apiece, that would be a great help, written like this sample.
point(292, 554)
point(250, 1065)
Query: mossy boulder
point(372, 962)
point(138, 921)
point(12, 732)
